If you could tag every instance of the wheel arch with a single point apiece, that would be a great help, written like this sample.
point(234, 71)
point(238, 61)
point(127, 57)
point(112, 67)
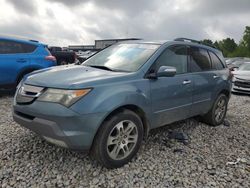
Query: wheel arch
point(134, 108)
point(25, 71)
point(225, 92)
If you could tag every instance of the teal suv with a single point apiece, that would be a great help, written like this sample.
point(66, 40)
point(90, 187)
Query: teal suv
point(108, 104)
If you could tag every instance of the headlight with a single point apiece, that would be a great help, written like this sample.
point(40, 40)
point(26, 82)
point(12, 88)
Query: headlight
point(64, 97)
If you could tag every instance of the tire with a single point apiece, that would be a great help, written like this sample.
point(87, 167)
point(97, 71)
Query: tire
point(113, 147)
point(211, 117)
point(20, 77)
point(19, 80)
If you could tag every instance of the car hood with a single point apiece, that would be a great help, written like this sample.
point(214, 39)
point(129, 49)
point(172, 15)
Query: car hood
point(244, 75)
point(71, 77)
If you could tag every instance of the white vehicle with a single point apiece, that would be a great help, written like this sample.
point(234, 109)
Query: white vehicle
point(241, 79)
point(85, 55)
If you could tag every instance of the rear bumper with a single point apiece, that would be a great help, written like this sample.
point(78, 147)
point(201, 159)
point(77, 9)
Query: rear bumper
point(59, 125)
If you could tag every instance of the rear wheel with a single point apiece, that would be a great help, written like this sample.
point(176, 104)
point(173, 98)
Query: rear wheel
point(118, 139)
point(218, 112)
point(20, 77)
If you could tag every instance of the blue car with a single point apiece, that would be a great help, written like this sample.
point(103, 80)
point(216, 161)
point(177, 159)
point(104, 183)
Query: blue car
point(109, 103)
point(19, 57)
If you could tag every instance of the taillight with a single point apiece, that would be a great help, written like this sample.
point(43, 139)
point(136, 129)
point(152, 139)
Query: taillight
point(50, 58)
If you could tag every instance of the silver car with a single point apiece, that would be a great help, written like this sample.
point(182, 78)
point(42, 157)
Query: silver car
point(241, 79)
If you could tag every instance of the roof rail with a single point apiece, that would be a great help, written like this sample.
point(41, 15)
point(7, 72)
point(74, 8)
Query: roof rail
point(194, 41)
point(187, 39)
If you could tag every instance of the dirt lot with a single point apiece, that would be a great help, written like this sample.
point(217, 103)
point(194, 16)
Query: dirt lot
point(212, 157)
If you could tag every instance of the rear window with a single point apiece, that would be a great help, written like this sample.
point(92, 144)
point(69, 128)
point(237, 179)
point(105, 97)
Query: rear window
point(12, 47)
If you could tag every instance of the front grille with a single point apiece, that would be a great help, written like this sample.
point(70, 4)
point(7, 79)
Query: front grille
point(242, 84)
point(26, 94)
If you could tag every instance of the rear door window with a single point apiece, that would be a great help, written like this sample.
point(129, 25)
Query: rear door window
point(12, 47)
point(216, 63)
point(199, 59)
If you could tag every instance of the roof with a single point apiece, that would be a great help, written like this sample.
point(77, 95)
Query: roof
point(19, 39)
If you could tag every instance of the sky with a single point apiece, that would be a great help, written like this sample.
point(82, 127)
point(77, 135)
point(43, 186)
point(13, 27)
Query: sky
point(80, 22)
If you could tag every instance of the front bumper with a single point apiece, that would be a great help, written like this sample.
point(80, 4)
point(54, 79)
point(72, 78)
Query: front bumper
point(58, 124)
point(237, 89)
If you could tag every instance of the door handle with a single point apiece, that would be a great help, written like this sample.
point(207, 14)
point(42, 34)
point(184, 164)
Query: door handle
point(21, 60)
point(215, 76)
point(186, 82)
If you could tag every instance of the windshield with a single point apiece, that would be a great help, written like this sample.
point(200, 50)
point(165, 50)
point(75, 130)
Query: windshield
point(122, 57)
point(245, 67)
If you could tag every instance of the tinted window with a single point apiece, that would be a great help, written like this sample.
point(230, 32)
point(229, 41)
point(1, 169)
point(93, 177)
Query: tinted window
point(11, 47)
point(175, 56)
point(199, 60)
point(216, 63)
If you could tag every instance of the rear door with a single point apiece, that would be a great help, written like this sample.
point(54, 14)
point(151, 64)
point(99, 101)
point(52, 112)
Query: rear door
point(171, 97)
point(14, 56)
point(7, 63)
point(204, 79)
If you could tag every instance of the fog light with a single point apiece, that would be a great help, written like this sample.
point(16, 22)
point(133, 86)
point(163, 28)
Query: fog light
point(55, 141)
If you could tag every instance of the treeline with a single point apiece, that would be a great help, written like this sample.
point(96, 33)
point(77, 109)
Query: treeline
point(230, 48)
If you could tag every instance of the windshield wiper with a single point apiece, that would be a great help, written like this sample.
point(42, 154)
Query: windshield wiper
point(101, 67)
point(106, 68)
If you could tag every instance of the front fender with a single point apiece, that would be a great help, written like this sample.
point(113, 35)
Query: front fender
point(107, 98)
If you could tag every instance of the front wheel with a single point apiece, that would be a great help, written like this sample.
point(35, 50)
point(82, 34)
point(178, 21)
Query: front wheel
point(118, 139)
point(218, 111)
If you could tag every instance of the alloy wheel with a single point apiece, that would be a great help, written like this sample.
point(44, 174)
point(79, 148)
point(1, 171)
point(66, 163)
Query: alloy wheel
point(122, 140)
point(220, 110)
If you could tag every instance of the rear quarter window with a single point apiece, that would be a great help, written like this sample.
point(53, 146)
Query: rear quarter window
point(216, 62)
point(12, 47)
point(47, 50)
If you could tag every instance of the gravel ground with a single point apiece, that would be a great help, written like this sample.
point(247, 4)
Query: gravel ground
point(213, 157)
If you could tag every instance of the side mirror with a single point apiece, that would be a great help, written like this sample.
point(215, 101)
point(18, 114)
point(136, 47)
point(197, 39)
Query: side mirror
point(166, 71)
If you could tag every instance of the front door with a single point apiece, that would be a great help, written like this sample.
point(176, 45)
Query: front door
point(171, 97)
